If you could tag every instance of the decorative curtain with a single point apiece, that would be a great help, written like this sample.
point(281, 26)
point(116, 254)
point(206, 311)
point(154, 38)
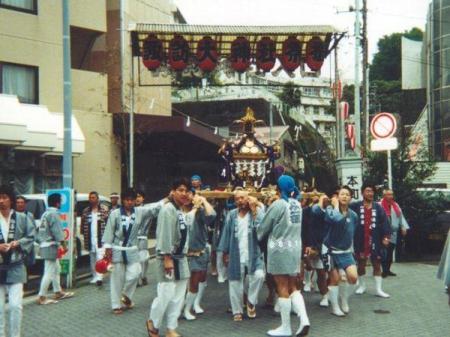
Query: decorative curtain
point(19, 81)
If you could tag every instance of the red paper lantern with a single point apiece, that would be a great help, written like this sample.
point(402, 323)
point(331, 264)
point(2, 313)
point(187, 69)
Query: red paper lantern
point(344, 108)
point(207, 54)
point(178, 53)
point(353, 142)
point(315, 53)
point(291, 54)
point(152, 52)
point(240, 54)
point(350, 131)
point(265, 54)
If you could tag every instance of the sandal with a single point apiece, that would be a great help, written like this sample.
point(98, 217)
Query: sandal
point(118, 311)
point(251, 312)
point(45, 301)
point(62, 296)
point(152, 332)
point(127, 303)
point(237, 317)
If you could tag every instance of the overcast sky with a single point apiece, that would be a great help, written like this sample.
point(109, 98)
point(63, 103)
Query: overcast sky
point(384, 17)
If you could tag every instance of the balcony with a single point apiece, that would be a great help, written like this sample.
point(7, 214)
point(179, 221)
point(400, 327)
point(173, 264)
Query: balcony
point(89, 91)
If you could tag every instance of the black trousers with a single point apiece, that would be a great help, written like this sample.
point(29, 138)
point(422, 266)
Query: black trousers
point(387, 261)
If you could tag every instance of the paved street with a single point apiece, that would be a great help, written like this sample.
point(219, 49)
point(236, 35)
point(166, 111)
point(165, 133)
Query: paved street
point(418, 307)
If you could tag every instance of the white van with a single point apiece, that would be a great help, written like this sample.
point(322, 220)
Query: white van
point(37, 205)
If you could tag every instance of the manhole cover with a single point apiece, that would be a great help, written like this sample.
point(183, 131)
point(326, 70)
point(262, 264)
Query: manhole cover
point(381, 311)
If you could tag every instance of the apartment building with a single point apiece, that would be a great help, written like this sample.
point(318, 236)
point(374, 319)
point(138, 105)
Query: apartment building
point(31, 89)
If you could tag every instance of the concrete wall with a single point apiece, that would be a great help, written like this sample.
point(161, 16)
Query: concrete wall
point(88, 14)
point(155, 11)
point(98, 168)
point(37, 40)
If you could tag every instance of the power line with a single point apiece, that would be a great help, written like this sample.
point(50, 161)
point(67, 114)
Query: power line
point(408, 17)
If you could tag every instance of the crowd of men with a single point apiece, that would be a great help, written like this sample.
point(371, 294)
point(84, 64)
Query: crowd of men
point(282, 241)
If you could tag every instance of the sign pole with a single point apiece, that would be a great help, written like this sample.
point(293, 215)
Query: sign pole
point(389, 162)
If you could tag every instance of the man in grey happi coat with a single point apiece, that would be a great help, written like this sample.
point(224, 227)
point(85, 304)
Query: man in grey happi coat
point(203, 215)
point(172, 272)
point(120, 242)
point(50, 237)
point(282, 224)
point(144, 255)
point(16, 239)
point(242, 254)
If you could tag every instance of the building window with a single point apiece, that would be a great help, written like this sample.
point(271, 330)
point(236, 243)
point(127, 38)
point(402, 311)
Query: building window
point(21, 81)
point(28, 6)
point(316, 110)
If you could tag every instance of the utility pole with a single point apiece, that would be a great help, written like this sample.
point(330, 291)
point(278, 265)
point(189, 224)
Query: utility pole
point(365, 68)
point(67, 78)
point(357, 81)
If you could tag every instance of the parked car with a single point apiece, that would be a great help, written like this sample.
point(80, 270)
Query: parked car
point(37, 205)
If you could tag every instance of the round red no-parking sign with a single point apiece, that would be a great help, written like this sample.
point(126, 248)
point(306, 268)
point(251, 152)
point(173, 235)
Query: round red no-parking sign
point(383, 125)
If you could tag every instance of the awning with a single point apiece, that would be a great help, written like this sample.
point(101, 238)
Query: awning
point(147, 124)
point(13, 128)
point(33, 127)
point(224, 35)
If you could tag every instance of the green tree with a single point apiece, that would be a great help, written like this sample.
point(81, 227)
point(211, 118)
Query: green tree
point(290, 95)
point(386, 63)
point(408, 175)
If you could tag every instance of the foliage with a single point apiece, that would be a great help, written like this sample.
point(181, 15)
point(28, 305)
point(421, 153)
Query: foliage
point(290, 95)
point(408, 175)
point(386, 63)
point(388, 96)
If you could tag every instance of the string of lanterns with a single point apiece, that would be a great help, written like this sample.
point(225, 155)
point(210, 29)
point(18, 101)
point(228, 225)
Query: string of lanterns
point(206, 57)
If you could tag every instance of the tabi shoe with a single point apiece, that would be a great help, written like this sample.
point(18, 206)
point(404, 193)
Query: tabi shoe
point(285, 328)
point(276, 307)
point(99, 283)
point(42, 300)
point(361, 286)
point(201, 290)
point(343, 295)
point(298, 303)
point(307, 288)
point(63, 295)
point(333, 293)
point(151, 330)
point(324, 301)
point(172, 333)
point(93, 281)
point(187, 314)
point(379, 292)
